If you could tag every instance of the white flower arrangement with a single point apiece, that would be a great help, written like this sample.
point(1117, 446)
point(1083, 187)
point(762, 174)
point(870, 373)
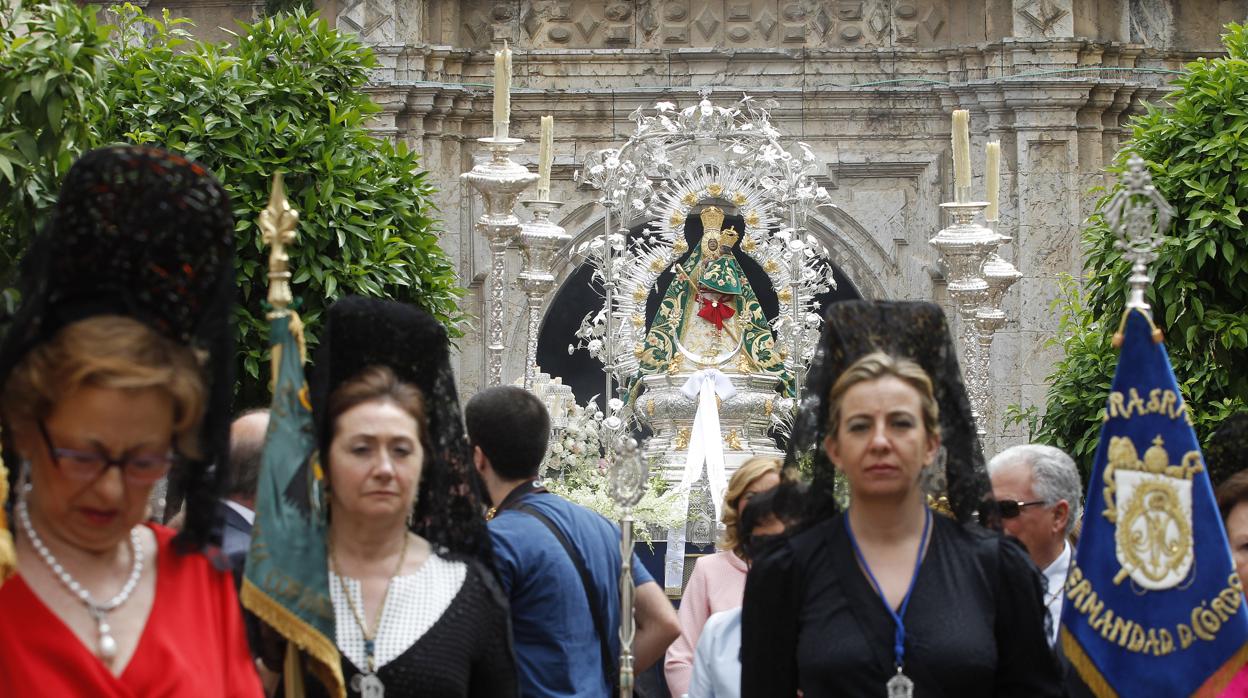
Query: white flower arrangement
point(576, 470)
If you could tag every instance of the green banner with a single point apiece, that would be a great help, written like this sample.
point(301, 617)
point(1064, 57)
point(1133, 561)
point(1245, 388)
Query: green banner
point(286, 582)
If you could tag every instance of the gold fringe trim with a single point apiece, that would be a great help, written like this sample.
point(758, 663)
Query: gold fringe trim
point(8, 554)
point(327, 664)
point(1083, 664)
point(1211, 688)
point(1215, 684)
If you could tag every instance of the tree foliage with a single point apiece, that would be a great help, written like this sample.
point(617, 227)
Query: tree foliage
point(273, 7)
point(1196, 147)
point(50, 61)
point(286, 94)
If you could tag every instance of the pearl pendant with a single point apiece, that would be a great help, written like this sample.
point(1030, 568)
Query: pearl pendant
point(108, 646)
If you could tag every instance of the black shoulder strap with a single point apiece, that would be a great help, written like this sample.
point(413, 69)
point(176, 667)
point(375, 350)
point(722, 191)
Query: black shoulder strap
point(596, 608)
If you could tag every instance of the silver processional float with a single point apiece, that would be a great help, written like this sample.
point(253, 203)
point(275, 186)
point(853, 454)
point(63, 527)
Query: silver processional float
point(707, 410)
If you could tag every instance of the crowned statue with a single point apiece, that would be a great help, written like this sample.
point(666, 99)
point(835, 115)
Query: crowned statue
point(710, 316)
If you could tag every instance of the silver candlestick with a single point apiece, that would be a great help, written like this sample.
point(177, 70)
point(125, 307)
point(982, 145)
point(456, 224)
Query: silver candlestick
point(500, 181)
point(540, 239)
point(989, 318)
point(627, 485)
point(964, 247)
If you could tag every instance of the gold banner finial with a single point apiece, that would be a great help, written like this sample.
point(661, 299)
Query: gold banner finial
point(277, 224)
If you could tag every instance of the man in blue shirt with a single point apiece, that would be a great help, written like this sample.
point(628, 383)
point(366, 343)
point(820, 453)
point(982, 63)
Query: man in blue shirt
point(558, 649)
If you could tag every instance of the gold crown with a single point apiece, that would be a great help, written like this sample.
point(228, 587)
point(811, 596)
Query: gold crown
point(712, 218)
point(729, 237)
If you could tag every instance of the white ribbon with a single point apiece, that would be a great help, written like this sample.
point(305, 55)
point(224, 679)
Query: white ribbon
point(706, 447)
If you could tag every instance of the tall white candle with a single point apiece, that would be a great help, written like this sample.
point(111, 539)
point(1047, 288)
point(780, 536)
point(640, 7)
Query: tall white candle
point(961, 152)
point(545, 156)
point(992, 180)
point(502, 91)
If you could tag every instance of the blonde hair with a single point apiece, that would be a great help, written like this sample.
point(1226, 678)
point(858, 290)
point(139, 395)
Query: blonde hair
point(879, 365)
point(749, 473)
point(108, 351)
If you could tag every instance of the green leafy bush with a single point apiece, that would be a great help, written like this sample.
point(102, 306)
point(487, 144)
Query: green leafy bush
point(1197, 150)
point(286, 94)
point(50, 62)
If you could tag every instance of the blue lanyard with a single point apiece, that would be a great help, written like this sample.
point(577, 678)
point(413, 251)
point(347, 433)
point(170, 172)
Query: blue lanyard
point(899, 637)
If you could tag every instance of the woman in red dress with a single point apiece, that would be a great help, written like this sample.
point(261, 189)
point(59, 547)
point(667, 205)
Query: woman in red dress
point(119, 357)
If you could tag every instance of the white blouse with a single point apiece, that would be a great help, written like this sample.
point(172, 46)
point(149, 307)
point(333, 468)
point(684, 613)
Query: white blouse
point(414, 604)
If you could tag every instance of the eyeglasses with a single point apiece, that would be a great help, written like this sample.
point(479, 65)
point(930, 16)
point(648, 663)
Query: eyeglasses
point(86, 466)
point(1010, 508)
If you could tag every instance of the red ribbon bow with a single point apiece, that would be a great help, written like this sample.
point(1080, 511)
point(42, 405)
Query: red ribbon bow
point(715, 310)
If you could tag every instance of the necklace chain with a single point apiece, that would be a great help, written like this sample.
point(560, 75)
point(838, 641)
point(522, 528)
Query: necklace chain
point(99, 611)
point(357, 613)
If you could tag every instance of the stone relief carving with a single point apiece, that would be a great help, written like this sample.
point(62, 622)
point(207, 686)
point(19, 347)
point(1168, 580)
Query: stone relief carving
point(706, 23)
point(1151, 23)
point(372, 20)
point(1043, 18)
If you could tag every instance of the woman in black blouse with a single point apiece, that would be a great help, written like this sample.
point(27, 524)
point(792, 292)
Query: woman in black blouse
point(890, 598)
point(417, 609)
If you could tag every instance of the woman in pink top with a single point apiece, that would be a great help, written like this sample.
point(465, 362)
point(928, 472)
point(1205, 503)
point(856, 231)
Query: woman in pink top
point(718, 580)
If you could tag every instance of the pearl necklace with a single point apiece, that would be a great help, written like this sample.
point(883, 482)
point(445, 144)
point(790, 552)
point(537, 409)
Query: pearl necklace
point(99, 611)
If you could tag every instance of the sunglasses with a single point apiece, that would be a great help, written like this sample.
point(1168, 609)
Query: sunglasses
point(1008, 508)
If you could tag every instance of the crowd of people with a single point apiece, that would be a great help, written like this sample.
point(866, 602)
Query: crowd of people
point(452, 571)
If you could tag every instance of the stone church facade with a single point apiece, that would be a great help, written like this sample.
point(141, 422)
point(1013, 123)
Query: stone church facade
point(868, 84)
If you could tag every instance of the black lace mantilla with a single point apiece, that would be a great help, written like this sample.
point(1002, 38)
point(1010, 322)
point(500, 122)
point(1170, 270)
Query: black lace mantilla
point(913, 330)
point(363, 332)
point(142, 233)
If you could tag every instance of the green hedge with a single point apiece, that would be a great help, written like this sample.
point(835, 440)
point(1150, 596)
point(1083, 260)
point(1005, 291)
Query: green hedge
point(1197, 149)
point(285, 94)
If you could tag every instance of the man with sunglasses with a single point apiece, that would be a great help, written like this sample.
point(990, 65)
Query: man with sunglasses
point(1040, 498)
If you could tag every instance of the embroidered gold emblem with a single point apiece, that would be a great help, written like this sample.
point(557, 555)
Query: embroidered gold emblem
point(1149, 502)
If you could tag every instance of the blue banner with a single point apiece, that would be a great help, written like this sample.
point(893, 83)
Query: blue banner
point(1152, 605)
point(286, 581)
